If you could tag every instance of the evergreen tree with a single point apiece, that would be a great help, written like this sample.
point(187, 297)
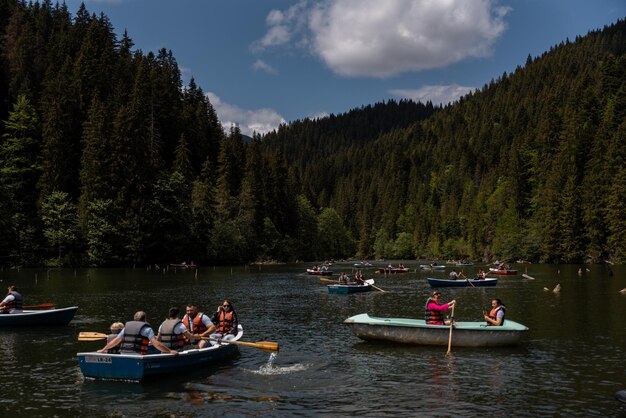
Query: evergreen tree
point(59, 220)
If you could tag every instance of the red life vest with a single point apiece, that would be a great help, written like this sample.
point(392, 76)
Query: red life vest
point(226, 321)
point(432, 316)
point(494, 314)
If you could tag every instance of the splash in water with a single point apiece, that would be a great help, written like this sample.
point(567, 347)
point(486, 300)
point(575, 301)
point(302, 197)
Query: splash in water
point(270, 369)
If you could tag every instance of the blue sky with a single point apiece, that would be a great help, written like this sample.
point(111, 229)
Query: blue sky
point(266, 62)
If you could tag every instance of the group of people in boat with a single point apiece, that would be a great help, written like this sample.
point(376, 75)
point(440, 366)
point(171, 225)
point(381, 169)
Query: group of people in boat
point(318, 268)
point(435, 309)
point(358, 279)
point(194, 330)
point(502, 266)
point(400, 266)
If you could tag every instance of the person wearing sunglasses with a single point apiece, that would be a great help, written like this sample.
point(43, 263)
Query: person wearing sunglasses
point(224, 323)
point(435, 308)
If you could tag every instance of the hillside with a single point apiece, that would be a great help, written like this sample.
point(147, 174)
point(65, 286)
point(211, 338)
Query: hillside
point(106, 159)
point(530, 166)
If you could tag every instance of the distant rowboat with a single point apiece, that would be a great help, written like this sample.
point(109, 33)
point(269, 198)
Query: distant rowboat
point(461, 282)
point(393, 270)
point(314, 272)
point(432, 267)
point(351, 288)
point(61, 316)
point(502, 271)
point(183, 266)
point(417, 332)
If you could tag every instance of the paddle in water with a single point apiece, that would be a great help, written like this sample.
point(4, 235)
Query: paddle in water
point(451, 326)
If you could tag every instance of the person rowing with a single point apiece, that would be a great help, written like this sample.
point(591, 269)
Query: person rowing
point(434, 309)
point(12, 302)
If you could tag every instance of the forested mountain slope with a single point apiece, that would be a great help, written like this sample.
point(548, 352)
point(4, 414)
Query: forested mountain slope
point(107, 159)
point(531, 166)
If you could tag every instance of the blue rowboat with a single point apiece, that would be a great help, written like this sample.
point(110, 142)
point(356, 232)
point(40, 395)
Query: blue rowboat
point(61, 316)
point(137, 367)
point(461, 282)
point(417, 332)
point(351, 288)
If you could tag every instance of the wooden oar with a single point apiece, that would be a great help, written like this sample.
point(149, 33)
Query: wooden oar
point(451, 326)
point(324, 279)
point(466, 278)
point(372, 284)
point(91, 336)
point(263, 345)
point(41, 306)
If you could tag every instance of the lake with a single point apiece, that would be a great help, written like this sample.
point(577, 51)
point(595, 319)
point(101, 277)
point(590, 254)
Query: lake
point(570, 363)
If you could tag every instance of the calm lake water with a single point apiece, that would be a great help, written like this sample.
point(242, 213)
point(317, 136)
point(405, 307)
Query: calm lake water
point(571, 362)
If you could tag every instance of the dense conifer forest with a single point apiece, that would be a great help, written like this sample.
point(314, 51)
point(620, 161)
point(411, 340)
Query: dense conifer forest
point(107, 159)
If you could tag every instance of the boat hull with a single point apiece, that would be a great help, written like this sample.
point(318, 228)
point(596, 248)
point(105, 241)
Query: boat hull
point(319, 272)
point(417, 332)
point(137, 367)
point(183, 266)
point(47, 317)
point(394, 270)
point(461, 282)
point(348, 288)
point(430, 267)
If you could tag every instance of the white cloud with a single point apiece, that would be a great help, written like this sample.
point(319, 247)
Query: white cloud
point(435, 94)
point(261, 65)
point(384, 38)
point(249, 121)
point(282, 26)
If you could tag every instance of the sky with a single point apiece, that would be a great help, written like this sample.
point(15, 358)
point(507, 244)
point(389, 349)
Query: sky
point(266, 62)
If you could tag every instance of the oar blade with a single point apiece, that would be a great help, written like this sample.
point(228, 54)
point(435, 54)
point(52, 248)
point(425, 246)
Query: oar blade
point(90, 339)
point(91, 336)
point(268, 346)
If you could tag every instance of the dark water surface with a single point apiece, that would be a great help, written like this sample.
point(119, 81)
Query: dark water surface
point(571, 362)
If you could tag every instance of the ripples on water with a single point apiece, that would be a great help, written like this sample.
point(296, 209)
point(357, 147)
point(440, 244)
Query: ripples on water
point(570, 364)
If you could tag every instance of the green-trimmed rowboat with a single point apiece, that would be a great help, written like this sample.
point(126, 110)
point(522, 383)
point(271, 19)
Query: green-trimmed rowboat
point(416, 331)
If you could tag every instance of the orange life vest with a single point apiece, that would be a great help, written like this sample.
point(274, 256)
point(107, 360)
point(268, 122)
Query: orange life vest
point(197, 326)
point(226, 321)
point(494, 314)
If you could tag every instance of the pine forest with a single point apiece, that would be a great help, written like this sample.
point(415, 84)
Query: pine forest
point(108, 159)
